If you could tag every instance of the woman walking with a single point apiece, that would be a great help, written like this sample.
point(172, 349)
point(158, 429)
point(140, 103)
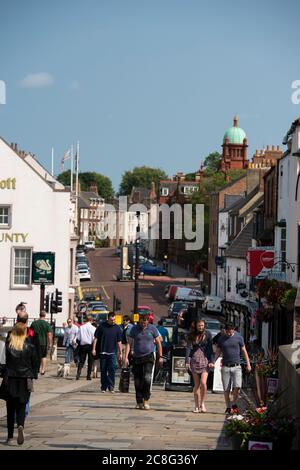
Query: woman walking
point(22, 365)
point(199, 359)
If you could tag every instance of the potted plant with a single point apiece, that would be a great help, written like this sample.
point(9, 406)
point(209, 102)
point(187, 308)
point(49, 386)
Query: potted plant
point(287, 300)
point(261, 424)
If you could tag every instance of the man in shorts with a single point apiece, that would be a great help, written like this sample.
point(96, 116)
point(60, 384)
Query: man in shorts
point(43, 332)
point(231, 346)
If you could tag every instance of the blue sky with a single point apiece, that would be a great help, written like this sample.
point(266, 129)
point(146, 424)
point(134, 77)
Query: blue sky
point(146, 82)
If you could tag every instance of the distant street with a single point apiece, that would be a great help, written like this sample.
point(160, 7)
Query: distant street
point(105, 265)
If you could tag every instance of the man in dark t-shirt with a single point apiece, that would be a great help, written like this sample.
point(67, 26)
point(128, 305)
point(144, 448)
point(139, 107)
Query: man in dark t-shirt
point(43, 332)
point(231, 346)
point(106, 345)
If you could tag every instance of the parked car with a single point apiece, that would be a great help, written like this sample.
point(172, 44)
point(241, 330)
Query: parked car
point(212, 303)
point(59, 335)
point(146, 309)
point(97, 306)
point(170, 291)
point(81, 248)
point(89, 297)
point(152, 270)
point(212, 325)
point(186, 293)
point(84, 274)
point(82, 266)
point(90, 245)
point(176, 307)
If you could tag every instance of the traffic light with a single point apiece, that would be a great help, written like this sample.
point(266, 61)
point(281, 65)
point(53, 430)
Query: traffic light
point(118, 304)
point(47, 303)
point(58, 300)
point(52, 305)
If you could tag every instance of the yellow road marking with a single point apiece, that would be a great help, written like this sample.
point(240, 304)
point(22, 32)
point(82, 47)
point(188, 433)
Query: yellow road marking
point(107, 296)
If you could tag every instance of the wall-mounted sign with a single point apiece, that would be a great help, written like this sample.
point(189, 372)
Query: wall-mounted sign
point(9, 183)
point(43, 267)
point(13, 237)
point(258, 259)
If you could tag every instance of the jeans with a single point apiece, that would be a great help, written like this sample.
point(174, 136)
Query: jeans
point(108, 371)
point(15, 410)
point(69, 354)
point(85, 350)
point(142, 380)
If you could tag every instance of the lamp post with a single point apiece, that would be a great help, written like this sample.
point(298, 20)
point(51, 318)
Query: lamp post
point(137, 263)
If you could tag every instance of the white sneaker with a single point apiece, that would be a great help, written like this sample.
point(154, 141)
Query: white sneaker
point(146, 405)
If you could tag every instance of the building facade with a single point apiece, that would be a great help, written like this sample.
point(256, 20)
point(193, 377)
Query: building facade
point(35, 216)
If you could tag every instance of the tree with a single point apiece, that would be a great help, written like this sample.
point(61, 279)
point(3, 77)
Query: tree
point(212, 163)
point(86, 179)
point(141, 176)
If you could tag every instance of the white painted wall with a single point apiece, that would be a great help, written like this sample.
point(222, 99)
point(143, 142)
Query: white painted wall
point(233, 264)
point(44, 216)
point(288, 208)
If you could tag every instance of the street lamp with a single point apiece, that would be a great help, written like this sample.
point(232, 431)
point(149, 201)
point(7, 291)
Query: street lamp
point(137, 263)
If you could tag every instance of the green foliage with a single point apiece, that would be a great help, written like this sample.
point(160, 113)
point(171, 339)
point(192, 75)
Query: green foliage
point(190, 176)
point(212, 163)
point(141, 176)
point(86, 179)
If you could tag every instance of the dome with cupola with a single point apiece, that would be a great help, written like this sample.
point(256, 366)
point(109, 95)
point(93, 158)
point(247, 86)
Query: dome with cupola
point(235, 134)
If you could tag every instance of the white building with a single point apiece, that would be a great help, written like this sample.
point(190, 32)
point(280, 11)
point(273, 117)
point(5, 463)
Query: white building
point(36, 215)
point(287, 231)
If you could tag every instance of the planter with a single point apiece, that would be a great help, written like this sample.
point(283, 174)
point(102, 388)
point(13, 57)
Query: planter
point(236, 442)
point(283, 443)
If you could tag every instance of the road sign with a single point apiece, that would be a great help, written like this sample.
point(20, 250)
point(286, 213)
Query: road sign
point(43, 267)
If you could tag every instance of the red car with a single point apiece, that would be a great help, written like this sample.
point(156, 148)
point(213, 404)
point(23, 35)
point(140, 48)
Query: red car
point(146, 309)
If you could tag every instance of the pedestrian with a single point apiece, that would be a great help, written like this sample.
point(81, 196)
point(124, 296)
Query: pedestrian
point(43, 332)
point(69, 341)
point(85, 339)
point(125, 328)
point(22, 367)
point(142, 338)
point(231, 346)
point(199, 360)
point(107, 346)
point(221, 333)
point(165, 341)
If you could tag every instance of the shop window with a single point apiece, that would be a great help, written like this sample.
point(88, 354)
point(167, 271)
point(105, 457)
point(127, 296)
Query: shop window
point(21, 267)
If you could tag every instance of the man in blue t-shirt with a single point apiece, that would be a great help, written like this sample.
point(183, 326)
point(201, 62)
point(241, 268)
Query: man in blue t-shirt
point(107, 343)
point(231, 346)
point(142, 339)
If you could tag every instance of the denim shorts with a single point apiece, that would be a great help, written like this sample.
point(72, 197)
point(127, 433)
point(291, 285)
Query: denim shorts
point(231, 377)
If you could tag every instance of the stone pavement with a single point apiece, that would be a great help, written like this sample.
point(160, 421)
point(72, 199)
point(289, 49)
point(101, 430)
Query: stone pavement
point(69, 414)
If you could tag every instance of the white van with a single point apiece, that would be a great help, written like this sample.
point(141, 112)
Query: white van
point(186, 293)
point(212, 303)
point(90, 245)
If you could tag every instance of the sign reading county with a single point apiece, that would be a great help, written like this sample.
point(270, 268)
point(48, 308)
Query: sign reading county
point(43, 267)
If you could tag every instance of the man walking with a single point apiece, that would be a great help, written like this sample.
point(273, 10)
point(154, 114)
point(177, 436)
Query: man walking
point(142, 338)
point(85, 339)
point(231, 346)
point(107, 343)
point(43, 333)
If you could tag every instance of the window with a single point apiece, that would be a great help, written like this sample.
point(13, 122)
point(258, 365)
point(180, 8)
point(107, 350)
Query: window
point(164, 191)
point(5, 216)
point(22, 267)
point(189, 189)
point(281, 183)
point(283, 249)
point(228, 280)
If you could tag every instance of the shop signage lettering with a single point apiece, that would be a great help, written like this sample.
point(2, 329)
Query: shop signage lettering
point(9, 183)
point(13, 237)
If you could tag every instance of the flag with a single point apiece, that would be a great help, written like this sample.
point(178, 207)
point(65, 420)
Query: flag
point(66, 156)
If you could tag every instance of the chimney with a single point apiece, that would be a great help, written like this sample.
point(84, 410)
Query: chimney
point(94, 188)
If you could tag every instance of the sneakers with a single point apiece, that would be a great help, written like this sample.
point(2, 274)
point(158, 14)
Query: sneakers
point(111, 390)
point(89, 378)
point(139, 406)
point(9, 441)
point(20, 438)
point(146, 405)
point(196, 410)
point(103, 391)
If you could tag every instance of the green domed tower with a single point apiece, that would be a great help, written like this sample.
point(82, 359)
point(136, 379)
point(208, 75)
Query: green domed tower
point(234, 148)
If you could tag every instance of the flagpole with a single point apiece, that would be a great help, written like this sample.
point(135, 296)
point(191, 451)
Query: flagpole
point(72, 168)
point(77, 188)
point(52, 161)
